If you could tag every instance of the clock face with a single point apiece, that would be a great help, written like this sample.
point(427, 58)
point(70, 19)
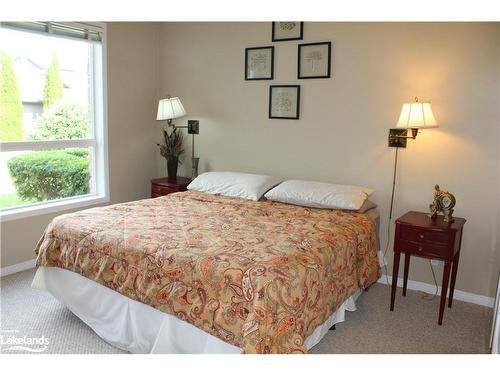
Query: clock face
point(446, 201)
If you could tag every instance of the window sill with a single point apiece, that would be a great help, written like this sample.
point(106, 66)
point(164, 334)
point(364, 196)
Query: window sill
point(51, 207)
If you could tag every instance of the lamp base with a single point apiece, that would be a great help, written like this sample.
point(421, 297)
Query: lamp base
point(194, 167)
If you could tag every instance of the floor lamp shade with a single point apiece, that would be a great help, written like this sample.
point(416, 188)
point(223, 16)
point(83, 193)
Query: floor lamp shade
point(169, 109)
point(416, 115)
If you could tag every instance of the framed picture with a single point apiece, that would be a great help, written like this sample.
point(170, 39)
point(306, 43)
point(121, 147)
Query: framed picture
point(259, 63)
point(287, 31)
point(284, 102)
point(314, 60)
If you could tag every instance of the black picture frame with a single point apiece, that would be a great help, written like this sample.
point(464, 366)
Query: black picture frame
point(329, 66)
point(275, 39)
point(247, 50)
point(296, 115)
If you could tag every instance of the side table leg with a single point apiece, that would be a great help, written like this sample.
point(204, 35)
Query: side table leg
point(444, 290)
point(395, 270)
point(406, 270)
point(453, 277)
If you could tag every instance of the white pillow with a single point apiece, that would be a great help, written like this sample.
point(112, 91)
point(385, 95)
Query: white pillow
point(232, 184)
point(320, 194)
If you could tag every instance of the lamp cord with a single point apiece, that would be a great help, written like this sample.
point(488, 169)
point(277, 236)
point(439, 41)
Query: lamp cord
point(427, 296)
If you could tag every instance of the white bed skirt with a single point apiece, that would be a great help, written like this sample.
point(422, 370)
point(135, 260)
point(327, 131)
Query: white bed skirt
point(138, 328)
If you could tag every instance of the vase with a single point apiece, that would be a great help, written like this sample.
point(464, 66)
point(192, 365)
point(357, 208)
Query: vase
point(172, 168)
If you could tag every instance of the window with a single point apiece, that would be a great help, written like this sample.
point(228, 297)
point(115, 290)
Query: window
point(53, 151)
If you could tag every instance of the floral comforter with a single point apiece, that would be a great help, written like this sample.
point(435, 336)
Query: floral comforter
point(259, 275)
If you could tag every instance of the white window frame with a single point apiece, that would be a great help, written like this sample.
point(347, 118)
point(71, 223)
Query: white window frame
point(99, 145)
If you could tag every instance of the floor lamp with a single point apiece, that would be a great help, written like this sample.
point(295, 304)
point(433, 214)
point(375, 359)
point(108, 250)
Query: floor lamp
point(414, 116)
point(172, 108)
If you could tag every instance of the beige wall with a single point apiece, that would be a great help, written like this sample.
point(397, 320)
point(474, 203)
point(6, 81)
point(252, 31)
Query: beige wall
point(132, 131)
point(342, 134)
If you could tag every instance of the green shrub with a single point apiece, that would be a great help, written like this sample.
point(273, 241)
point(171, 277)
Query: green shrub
point(47, 175)
point(78, 151)
point(53, 88)
point(61, 121)
point(11, 108)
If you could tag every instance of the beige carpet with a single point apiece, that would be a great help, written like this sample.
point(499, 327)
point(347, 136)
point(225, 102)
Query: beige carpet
point(411, 328)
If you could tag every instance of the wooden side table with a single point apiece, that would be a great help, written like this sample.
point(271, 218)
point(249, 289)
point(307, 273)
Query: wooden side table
point(418, 235)
point(164, 186)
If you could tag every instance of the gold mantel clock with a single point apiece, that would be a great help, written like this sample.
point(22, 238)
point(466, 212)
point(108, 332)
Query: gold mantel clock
point(443, 202)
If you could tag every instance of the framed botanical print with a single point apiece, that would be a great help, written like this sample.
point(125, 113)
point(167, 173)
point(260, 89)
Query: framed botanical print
point(284, 102)
point(287, 31)
point(314, 60)
point(259, 63)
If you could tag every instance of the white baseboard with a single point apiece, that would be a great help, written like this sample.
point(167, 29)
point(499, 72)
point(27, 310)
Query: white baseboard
point(9, 270)
point(431, 289)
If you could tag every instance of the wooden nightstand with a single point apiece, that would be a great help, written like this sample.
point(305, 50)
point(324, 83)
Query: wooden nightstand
point(164, 186)
point(418, 235)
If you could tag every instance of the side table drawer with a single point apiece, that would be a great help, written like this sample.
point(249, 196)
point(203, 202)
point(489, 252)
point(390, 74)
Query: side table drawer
point(428, 236)
point(161, 190)
point(425, 249)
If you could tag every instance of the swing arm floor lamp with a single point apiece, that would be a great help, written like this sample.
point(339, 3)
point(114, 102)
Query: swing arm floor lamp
point(414, 116)
point(172, 108)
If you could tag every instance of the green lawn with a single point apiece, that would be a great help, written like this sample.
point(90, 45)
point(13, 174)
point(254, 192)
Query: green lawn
point(11, 200)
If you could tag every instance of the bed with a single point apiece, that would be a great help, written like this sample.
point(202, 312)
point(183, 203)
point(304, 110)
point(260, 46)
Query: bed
point(202, 273)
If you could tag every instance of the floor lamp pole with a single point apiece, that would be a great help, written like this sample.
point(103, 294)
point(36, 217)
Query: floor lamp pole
point(390, 213)
point(393, 183)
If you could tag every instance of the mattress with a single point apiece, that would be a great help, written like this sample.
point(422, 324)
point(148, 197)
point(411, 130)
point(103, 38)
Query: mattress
point(260, 276)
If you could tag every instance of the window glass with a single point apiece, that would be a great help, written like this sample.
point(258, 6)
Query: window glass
point(52, 144)
point(45, 83)
point(39, 176)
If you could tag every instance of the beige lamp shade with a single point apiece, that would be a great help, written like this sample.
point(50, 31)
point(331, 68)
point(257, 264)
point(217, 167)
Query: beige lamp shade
point(170, 108)
point(416, 115)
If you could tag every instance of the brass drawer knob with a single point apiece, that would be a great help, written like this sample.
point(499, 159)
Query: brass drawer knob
point(421, 236)
point(420, 248)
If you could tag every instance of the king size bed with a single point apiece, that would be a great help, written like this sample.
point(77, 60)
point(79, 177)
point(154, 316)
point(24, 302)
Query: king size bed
point(202, 273)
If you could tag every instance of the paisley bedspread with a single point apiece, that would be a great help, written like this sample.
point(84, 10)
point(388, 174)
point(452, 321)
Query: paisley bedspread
point(258, 275)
